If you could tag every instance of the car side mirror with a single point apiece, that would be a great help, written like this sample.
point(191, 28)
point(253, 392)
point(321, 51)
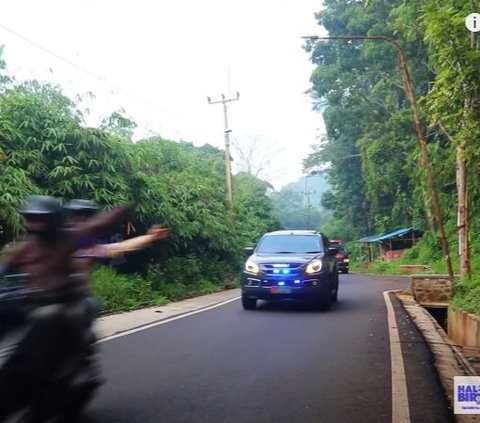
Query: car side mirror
point(248, 251)
point(332, 251)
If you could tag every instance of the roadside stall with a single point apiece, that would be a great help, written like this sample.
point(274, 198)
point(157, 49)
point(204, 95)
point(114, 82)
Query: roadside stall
point(392, 245)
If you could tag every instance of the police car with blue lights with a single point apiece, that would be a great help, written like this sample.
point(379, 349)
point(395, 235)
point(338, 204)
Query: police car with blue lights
point(298, 265)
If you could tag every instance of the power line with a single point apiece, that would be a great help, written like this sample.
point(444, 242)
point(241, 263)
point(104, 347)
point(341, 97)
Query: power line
point(86, 71)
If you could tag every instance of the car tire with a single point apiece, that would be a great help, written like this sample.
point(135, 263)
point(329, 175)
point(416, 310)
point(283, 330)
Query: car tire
point(335, 296)
point(248, 303)
point(324, 302)
point(345, 271)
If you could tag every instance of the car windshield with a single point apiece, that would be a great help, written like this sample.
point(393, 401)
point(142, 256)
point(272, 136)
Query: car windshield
point(290, 244)
point(338, 245)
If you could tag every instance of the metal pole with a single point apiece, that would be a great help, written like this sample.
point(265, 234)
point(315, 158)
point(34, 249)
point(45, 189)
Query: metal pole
point(420, 134)
point(228, 171)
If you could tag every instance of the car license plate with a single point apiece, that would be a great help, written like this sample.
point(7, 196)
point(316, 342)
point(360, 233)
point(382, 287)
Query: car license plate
point(280, 290)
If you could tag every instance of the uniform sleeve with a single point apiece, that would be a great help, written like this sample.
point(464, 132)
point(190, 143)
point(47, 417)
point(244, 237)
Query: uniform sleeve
point(96, 225)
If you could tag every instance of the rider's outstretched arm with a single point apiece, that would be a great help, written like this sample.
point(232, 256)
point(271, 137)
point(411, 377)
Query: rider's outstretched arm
point(117, 249)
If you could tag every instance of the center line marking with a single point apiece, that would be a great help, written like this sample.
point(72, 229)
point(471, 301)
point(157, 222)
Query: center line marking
point(400, 406)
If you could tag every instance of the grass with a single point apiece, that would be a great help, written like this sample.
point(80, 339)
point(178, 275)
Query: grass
point(466, 292)
point(120, 292)
point(467, 295)
point(427, 252)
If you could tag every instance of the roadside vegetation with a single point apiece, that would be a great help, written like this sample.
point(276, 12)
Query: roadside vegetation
point(369, 148)
point(123, 292)
point(46, 148)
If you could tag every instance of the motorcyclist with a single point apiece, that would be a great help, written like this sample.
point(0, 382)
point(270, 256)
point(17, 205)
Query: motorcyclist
point(95, 250)
point(45, 255)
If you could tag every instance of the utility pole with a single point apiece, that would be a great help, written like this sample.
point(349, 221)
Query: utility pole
point(228, 171)
point(419, 132)
point(307, 194)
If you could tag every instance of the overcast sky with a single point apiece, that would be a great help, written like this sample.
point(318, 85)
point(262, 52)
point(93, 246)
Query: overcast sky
point(166, 57)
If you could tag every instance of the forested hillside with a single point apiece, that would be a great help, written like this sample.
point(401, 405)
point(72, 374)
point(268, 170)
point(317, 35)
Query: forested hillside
point(298, 204)
point(45, 148)
point(378, 181)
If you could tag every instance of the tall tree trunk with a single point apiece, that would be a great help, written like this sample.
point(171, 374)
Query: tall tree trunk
point(462, 210)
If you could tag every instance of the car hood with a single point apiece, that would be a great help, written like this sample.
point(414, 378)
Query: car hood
point(284, 258)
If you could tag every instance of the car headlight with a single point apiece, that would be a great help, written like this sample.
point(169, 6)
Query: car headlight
point(252, 267)
point(314, 267)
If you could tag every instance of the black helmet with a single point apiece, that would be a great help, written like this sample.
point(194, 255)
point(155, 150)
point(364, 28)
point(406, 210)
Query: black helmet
point(41, 205)
point(79, 207)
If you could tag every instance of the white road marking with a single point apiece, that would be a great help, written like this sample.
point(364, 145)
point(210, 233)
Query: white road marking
point(400, 406)
point(162, 322)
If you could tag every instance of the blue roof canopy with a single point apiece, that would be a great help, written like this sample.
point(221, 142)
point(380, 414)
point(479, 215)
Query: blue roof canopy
point(398, 233)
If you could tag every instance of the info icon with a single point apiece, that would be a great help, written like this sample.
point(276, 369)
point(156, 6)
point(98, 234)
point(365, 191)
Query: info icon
point(472, 22)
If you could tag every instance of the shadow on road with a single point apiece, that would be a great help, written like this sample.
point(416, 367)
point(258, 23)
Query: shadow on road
point(290, 306)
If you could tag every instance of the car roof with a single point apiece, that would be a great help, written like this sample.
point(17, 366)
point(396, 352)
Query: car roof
point(293, 232)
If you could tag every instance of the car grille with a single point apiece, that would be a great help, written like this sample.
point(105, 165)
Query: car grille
point(281, 270)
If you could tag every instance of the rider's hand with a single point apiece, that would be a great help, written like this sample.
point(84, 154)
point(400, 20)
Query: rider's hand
point(158, 232)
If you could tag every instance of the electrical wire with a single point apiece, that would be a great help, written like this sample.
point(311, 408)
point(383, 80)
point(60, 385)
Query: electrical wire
point(86, 71)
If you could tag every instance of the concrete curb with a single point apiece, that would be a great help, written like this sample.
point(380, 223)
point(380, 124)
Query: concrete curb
point(448, 359)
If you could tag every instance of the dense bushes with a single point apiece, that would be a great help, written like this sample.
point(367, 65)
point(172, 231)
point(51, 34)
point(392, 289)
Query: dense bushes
point(119, 292)
point(46, 148)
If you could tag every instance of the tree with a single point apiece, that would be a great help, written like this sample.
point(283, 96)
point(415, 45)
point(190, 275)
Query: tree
point(253, 156)
point(452, 102)
point(358, 86)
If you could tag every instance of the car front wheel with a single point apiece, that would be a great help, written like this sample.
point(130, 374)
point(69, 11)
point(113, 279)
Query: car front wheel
point(248, 303)
point(324, 302)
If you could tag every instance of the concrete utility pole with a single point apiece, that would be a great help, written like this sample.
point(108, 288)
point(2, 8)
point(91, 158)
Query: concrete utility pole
point(419, 132)
point(228, 171)
point(307, 193)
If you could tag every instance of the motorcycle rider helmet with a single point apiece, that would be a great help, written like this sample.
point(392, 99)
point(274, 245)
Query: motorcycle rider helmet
point(82, 208)
point(43, 214)
point(41, 205)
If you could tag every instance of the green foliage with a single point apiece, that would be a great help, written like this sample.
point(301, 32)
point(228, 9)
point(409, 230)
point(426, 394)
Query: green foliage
point(358, 86)
point(293, 208)
point(123, 292)
point(338, 229)
point(466, 295)
point(183, 277)
point(45, 148)
point(253, 203)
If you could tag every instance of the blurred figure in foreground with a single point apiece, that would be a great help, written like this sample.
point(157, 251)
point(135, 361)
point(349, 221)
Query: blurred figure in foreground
point(94, 250)
point(41, 358)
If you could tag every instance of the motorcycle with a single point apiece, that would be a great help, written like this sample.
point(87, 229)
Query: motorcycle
point(48, 360)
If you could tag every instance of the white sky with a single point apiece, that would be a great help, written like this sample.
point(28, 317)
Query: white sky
point(173, 54)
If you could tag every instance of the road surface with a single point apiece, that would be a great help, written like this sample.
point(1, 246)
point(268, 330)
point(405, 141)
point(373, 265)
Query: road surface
point(280, 363)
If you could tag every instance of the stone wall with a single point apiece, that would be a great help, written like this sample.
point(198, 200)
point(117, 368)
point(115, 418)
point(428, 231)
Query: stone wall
point(431, 290)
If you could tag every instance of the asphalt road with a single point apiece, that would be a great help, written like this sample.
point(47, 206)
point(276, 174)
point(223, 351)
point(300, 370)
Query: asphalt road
point(281, 363)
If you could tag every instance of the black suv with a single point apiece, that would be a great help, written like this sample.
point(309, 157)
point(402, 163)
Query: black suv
point(290, 264)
